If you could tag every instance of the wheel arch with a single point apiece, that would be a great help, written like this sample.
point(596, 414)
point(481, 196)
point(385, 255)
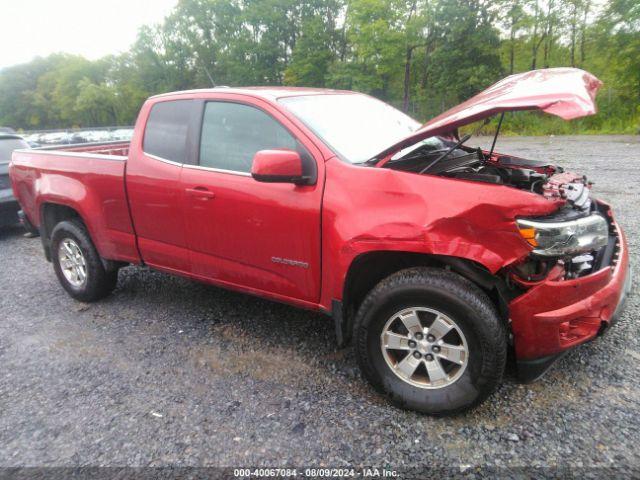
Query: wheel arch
point(369, 268)
point(51, 214)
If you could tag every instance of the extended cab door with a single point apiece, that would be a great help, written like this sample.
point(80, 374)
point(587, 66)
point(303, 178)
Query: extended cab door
point(263, 237)
point(153, 181)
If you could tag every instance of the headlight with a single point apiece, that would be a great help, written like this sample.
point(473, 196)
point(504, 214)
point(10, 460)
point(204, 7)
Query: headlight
point(554, 239)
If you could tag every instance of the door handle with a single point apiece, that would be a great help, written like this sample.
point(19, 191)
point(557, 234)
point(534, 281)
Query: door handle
point(200, 192)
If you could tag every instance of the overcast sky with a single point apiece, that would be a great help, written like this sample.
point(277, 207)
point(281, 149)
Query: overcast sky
point(92, 28)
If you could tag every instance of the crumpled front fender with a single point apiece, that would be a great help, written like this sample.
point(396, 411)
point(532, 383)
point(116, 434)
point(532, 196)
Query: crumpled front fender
point(373, 209)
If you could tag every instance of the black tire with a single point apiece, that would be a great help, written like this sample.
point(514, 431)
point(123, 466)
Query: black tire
point(99, 282)
point(464, 303)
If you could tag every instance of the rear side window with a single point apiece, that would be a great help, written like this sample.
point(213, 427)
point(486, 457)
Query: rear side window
point(167, 131)
point(232, 133)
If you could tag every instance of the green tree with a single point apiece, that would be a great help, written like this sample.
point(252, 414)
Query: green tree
point(17, 89)
point(311, 57)
point(421, 55)
point(316, 45)
point(621, 25)
point(467, 57)
point(514, 19)
point(96, 104)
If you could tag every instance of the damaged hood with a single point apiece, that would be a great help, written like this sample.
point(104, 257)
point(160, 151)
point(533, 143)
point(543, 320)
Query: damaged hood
point(565, 92)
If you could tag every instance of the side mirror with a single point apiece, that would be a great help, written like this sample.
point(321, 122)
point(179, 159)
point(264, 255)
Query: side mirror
point(278, 166)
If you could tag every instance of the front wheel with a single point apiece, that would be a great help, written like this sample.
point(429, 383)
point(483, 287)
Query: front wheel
point(77, 264)
point(431, 340)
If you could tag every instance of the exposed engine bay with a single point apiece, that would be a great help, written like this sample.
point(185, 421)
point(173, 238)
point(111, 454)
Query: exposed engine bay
point(579, 236)
point(437, 156)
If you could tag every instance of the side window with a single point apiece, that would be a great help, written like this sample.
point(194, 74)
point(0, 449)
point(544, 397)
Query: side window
point(232, 133)
point(167, 129)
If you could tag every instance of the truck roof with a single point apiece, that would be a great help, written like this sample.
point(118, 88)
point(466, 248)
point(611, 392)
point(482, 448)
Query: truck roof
point(269, 93)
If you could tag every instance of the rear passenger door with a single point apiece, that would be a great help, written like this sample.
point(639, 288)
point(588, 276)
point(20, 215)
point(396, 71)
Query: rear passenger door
point(153, 183)
point(263, 237)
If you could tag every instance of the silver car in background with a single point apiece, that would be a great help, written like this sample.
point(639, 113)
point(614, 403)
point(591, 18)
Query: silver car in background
point(8, 204)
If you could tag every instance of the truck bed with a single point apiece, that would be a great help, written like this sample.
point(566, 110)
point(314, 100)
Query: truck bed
point(88, 178)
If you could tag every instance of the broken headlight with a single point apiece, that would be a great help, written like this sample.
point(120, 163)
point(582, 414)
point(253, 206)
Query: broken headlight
point(559, 239)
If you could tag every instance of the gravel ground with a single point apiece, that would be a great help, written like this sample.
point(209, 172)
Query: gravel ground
point(172, 372)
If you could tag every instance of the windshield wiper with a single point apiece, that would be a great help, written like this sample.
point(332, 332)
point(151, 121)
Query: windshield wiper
point(420, 152)
point(416, 153)
point(447, 152)
point(451, 149)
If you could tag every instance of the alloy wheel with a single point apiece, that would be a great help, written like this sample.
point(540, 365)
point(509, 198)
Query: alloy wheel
point(424, 347)
point(72, 262)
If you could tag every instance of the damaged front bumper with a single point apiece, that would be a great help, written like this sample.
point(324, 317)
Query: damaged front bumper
point(558, 314)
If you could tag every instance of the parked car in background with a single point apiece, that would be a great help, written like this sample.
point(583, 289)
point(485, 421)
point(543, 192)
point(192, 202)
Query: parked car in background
point(8, 204)
point(76, 137)
point(93, 136)
point(122, 134)
point(56, 138)
point(33, 140)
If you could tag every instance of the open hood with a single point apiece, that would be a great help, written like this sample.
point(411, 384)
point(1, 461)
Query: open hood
point(566, 92)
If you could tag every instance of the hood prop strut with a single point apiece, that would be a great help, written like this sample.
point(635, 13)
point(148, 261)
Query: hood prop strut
point(495, 138)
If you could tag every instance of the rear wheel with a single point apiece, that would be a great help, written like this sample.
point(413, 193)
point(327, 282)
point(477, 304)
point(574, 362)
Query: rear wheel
point(431, 340)
point(77, 264)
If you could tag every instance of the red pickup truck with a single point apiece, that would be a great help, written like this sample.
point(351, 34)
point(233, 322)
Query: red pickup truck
point(435, 258)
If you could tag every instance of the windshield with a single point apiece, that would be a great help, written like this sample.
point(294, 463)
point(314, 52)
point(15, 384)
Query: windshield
point(8, 145)
point(355, 126)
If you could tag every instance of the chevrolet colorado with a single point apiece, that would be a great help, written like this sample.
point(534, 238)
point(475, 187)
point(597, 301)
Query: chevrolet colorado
point(433, 257)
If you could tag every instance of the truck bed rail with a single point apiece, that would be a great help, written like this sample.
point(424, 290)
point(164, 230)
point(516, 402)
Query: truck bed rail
point(116, 148)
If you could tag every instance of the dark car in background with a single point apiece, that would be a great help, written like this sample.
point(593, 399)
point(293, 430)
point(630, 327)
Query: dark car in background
point(8, 204)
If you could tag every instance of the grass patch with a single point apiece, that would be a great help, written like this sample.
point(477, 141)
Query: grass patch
point(538, 123)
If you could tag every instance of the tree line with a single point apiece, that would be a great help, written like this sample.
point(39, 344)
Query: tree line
point(423, 56)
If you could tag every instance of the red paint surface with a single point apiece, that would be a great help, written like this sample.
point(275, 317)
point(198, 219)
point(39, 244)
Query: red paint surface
point(277, 163)
point(231, 230)
point(559, 314)
point(93, 187)
point(565, 92)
